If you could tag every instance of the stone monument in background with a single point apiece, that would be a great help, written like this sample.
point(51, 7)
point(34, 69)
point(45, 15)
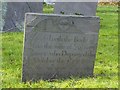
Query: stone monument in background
point(76, 8)
point(14, 18)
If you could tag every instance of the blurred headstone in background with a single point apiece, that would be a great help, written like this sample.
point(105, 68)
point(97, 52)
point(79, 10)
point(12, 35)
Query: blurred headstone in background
point(76, 8)
point(14, 17)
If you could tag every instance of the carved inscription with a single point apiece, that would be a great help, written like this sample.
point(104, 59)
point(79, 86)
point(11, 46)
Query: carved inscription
point(60, 49)
point(60, 44)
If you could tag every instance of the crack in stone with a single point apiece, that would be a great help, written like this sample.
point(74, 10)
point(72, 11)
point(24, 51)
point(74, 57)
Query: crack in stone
point(29, 6)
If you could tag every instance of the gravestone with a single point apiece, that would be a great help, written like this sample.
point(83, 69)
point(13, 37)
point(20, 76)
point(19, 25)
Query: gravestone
point(14, 18)
point(59, 46)
point(76, 8)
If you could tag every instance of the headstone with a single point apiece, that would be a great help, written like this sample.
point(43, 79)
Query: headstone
point(14, 19)
point(59, 46)
point(76, 8)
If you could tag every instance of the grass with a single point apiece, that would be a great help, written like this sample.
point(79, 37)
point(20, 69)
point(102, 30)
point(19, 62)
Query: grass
point(106, 65)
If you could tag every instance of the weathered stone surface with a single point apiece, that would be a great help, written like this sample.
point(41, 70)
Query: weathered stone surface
point(82, 8)
point(14, 19)
point(59, 46)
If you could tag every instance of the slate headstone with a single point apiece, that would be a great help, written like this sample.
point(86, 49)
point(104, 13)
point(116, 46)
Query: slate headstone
point(59, 46)
point(14, 18)
point(76, 8)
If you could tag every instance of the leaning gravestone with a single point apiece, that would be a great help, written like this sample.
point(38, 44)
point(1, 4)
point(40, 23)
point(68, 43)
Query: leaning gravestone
point(79, 8)
point(59, 46)
point(14, 19)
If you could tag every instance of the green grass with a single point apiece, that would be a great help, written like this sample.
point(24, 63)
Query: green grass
point(106, 64)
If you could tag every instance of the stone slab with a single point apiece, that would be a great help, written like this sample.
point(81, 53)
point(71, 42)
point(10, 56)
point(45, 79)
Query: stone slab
point(79, 8)
point(14, 18)
point(59, 46)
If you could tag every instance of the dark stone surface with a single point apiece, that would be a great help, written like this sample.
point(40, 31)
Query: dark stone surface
point(82, 8)
point(14, 19)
